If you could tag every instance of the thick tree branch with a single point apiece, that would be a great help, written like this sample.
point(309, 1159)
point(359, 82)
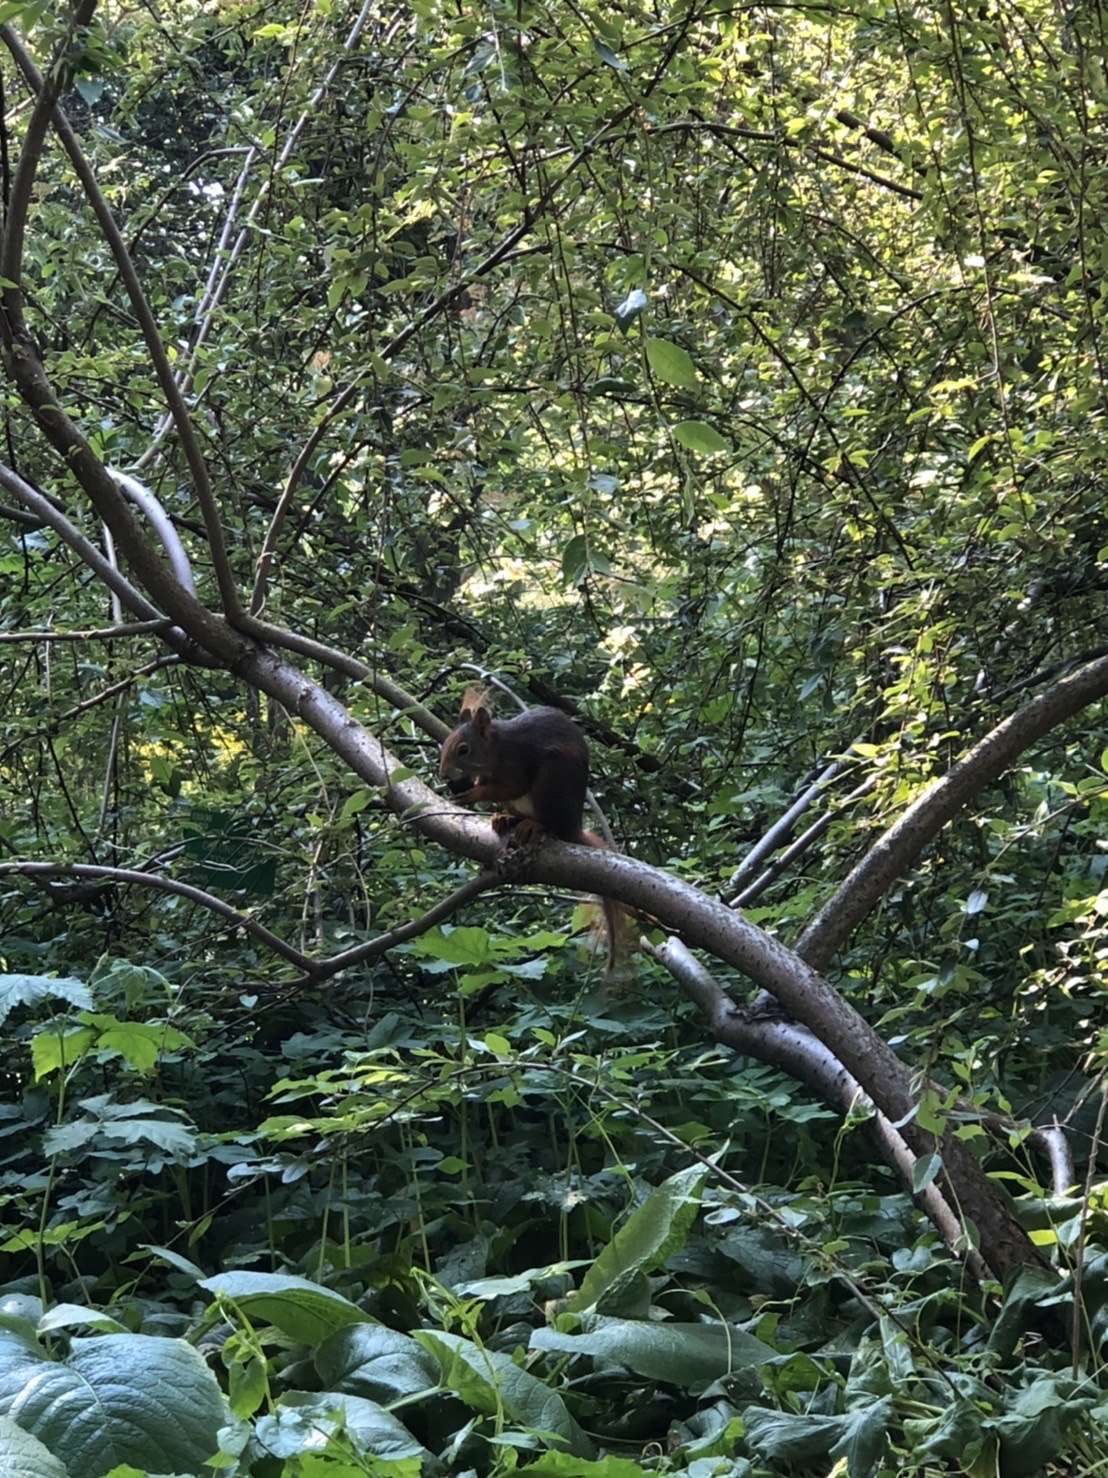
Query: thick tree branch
point(699, 920)
point(793, 1049)
point(24, 366)
point(892, 854)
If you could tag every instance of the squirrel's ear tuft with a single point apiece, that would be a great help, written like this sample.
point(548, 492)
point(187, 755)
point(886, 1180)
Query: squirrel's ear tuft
point(473, 699)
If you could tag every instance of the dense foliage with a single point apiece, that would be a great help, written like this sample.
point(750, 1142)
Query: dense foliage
point(730, 377)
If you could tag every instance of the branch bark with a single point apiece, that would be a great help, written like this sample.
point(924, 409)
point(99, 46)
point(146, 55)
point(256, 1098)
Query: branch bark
point(700, 921)
point(894, 852)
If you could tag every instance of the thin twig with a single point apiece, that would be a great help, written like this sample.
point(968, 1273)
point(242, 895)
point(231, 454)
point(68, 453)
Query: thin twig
point(190, 445)
point(411, 929)
point(88, 553)
point(105, 633)
point(314, 971)
point(165, 885)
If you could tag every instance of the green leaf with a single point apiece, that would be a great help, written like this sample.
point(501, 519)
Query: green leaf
point(355, 804)
point(246, 1386)
point(117, 1398)
point(672, 364)
point(784, 1437)
point(131, 1124)
point(563, 1465)
point(653, 1232)
point(26, 13)
point(768, 1259)
point(957, 1432)
point(488, 1380)
point(24, 1455)
point(76, 1316)
point(1033, 1428)
point(381, 1364)
point(91, 89)
point(304, 1310)
point(462, 946)
point(174, 1260)
point(1031, 1290)
point(575, 559)
point(698, 436)
point(138, 1043)
point(688, 1356)
point(924, 1172)
point(32, 990)
point(608, 56)
point(56, 1051)
point(295, 1429)
point(862, 1442)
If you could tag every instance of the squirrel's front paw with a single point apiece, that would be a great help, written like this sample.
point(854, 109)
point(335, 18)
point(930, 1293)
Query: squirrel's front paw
point(526, 832)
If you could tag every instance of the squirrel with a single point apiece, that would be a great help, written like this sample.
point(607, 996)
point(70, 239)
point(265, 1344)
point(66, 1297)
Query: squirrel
point(537, 766)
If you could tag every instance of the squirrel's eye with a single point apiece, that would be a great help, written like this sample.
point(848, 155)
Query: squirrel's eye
point(463, 748)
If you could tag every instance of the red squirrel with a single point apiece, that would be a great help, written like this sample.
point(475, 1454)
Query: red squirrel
point(537, 766)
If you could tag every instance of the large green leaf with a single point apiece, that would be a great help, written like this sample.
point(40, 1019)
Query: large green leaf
point(699, 436)
point(1034, 1427)
point(672, 364)
point(653, 1232)
point(305, 1311)
point(863, 1437)
point(786, 1437)
point(24, 1456)
point(304, 1416)
point(688, 1356)
point(115, 1399)
point(381, 1364)
point(490, 1381)
point(32, 990)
